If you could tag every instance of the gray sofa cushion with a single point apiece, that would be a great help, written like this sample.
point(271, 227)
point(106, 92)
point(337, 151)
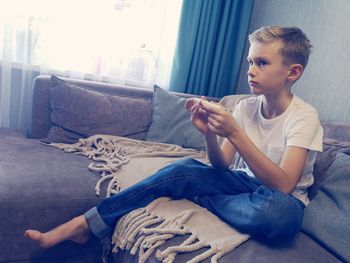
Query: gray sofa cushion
point(336, 139)
point(79, 112)
point(324, 160)
point(171, 122)
point(327, 217)
point(42, 187)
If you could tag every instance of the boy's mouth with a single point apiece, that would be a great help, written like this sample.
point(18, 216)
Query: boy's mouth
point(253, 83)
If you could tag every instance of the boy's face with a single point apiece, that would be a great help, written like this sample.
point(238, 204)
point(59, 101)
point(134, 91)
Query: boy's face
point(267, 72)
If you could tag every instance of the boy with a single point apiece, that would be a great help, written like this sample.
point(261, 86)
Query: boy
point(273, 137)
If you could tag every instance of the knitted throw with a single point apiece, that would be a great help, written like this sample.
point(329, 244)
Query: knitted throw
point(136, 233)
point(126, 161)
point(112, 153)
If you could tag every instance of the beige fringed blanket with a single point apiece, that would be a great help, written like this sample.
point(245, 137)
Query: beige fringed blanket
point(124, 162)
point(175, 217)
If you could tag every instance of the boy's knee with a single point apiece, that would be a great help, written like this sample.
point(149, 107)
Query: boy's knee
point(189, 162)
point(178, 167)
point(186, 163)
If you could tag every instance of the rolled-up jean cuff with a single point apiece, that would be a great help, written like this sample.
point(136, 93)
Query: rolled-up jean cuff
point(96, 224)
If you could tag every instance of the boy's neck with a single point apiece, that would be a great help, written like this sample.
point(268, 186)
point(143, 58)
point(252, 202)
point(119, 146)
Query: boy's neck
point(274, 106)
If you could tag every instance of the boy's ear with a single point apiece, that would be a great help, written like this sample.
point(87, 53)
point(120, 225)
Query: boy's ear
point(295, 72)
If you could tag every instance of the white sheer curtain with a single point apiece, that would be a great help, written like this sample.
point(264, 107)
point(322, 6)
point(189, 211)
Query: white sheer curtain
point(129, 42)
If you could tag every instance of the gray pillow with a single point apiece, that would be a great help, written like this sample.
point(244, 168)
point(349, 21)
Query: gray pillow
point(327, 217)
point(324, 160)
point(78, 112)
point(171, 123)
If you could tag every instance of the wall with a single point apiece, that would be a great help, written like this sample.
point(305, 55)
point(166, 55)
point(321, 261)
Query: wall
point(326, 80)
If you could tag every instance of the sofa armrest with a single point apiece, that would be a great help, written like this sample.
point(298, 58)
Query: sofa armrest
point(40, 123)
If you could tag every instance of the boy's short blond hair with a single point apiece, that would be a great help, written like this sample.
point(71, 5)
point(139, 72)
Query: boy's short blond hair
point(296, 47)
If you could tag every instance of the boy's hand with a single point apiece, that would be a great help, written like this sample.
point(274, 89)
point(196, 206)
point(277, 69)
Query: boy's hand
point(199, 116)
point(220, 121)
point(190, 103)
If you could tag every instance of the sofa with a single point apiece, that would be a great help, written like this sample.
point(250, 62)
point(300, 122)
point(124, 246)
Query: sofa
point(43, 186)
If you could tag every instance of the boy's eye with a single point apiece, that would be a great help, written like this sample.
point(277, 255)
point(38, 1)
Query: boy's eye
point(262, 63)
point(259, 63)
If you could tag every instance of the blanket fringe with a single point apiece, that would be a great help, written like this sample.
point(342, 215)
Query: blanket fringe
point(171, 256)
point(143, 232)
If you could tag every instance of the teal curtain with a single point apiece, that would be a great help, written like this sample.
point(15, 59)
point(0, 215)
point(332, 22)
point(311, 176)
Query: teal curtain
point(211, 40)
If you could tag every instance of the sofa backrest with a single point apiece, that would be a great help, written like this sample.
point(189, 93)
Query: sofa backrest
point(42, 107)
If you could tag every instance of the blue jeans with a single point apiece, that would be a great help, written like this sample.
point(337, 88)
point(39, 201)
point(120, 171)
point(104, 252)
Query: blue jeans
point(238, 199)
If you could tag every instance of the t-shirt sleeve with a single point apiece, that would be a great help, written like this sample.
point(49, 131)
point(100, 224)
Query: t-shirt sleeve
point(306, 131)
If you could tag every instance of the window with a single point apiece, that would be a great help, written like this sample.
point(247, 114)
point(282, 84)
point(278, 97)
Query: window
point(122, 41)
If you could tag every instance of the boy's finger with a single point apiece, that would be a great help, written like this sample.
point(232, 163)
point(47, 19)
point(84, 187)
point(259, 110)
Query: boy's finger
point(194, 108)
point(190, 103)
point(212, 107)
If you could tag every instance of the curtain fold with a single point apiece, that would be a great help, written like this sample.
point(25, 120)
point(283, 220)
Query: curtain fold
point(211, 40)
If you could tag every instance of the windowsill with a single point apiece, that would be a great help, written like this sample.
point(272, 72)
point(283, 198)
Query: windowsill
point(77, 75)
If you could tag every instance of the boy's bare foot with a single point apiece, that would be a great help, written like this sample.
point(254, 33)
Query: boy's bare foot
point(76, 230)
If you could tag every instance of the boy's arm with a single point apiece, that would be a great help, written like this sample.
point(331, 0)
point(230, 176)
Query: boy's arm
point(283, 177)
point(220, 157)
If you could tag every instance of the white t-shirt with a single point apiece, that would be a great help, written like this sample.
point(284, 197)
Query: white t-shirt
point(298, 125)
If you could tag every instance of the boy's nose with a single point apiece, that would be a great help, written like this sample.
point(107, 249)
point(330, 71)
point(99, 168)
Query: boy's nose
point(251, 71)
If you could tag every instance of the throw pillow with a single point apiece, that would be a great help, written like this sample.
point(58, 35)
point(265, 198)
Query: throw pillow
point(78, 112)
point(324, 160)
point(327, 217)
point(171, 123)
